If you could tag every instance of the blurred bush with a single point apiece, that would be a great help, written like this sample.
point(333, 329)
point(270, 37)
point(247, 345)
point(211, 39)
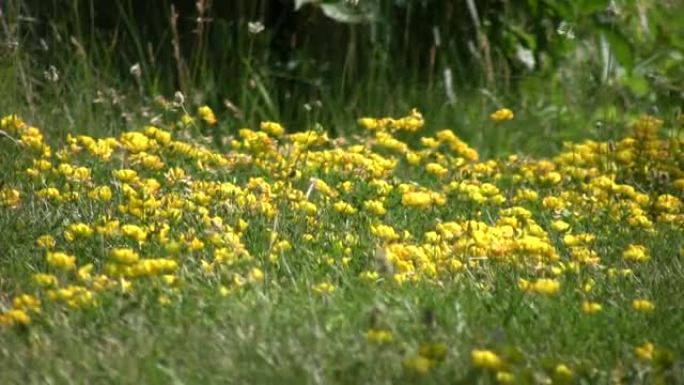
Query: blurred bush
point(261, 57)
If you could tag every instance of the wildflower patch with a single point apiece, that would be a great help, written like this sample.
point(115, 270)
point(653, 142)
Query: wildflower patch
point(150, 216)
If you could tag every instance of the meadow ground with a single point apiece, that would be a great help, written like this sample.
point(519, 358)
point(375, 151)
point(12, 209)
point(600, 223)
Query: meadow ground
point(390, 256)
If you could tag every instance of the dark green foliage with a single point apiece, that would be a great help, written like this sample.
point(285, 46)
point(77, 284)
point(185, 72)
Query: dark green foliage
point(566, 63)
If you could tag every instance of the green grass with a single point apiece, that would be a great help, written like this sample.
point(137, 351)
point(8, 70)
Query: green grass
point(285, 335)
point(281, 330)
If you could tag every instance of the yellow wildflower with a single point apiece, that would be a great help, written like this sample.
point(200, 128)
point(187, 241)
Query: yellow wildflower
point(83, 272)
point(61, 260)
point(77, 231)
point(416, 199)
point(375, 206)
point(187, 120)
point(255, 275)
point(562, 374)
point(14, 317)
point(323, 187)
point(100, 193)
point(544, 286)
point(502, 115)
point(135, 142)
point(81, 174)
point(668, 203)
point(195, 244)
point(125, 175)
point(272, 128)
point(504, 377)
point(413, 158)
point(26, 302)
point(344, 208)
point(44, 280)
point(589, 307)
point(379, 336)
point(525, 194)
point(643, 305)
point(9, 197)
point(207, 115)
point(647, 127)
point(436, 169)
point(49, 193)
point(369, 123)
point(323, 288)
point(46, 241)
point(645, 352)
point(369, 276)
point(135, 232)
point(124, 256)
point(384, 232)
point(636, 253)
point(485, 359)
point(560, 226)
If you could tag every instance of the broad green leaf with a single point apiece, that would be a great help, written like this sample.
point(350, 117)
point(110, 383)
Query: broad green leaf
point(637, 84)
point(343, 13)
point(620, 47)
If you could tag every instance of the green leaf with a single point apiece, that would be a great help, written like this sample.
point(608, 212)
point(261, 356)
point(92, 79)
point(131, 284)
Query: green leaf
point(344, 13)
point(620, 47)
point(340, 10)
point(300, 3)
point(560, 9)
point(587, 7)
point(529, 39)
point(637, 84)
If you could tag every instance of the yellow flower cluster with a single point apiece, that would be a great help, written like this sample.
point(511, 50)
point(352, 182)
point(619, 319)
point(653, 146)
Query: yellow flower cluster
point(379, 336)
point(411, 123)
point(152, 213)
point(272, 128)
point(207, 115)
point(9, 197)
point(486, 359)
point(501, 115)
